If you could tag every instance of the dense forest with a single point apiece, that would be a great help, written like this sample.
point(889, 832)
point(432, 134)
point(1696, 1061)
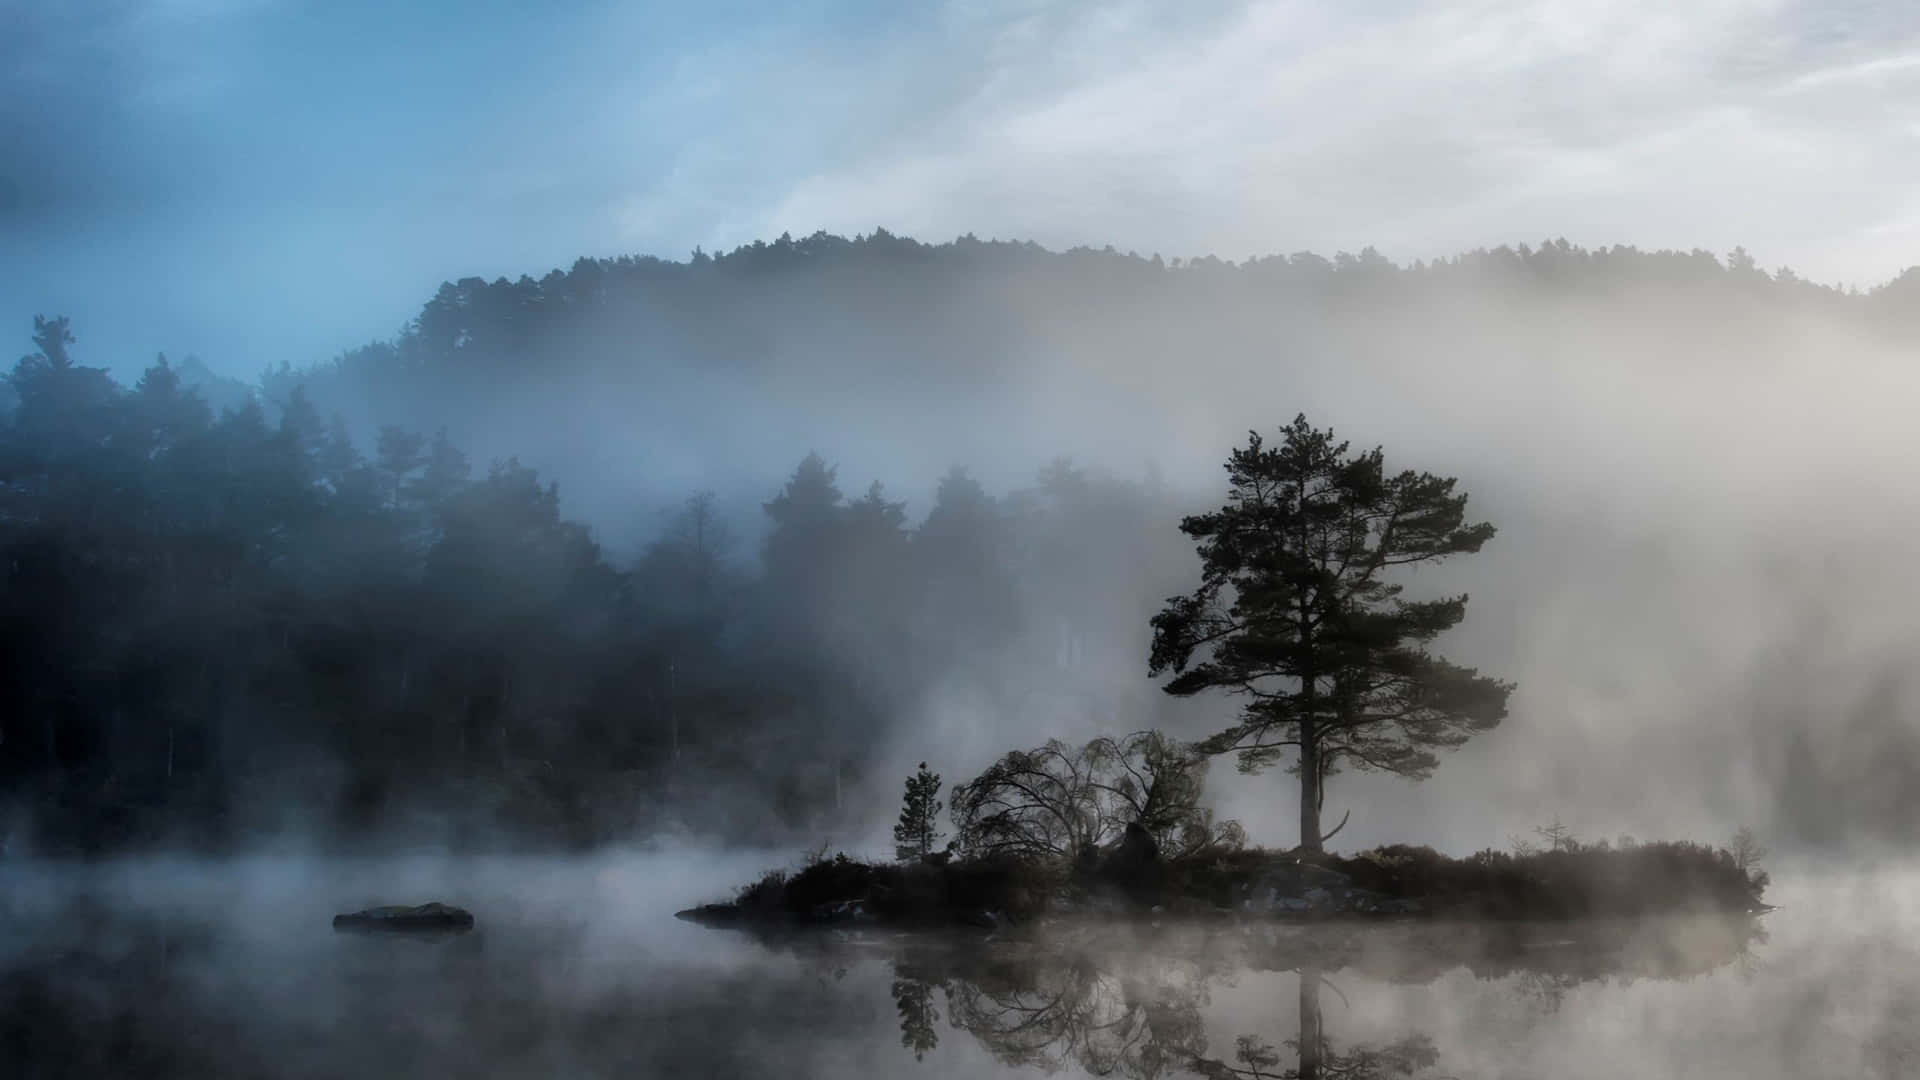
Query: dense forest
point(350, 600)
point(220, 627)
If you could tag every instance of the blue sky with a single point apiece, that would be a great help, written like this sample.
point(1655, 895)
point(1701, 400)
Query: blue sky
point(267, 180)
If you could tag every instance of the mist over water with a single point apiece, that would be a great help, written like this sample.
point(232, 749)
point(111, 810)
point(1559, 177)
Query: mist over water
point(175, 967)
point(1700, 617)
point(602, 450)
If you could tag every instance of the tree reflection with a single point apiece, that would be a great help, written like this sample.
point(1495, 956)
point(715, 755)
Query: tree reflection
point(1314, 1057)
point(1133, 1006)
point(913, 989)
point(1049, 1011)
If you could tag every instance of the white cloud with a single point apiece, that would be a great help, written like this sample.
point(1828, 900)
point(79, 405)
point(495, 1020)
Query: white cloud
point(1236, 128)
point(1777, 126)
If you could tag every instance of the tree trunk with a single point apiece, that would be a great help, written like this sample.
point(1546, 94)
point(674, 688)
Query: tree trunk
point(1309, 788)
point(1312, 1036)
point(1309, 742)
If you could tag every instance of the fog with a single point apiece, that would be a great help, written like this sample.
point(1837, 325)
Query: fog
point(1692, 469)
point(1693, 457)
point(1692, 465)
point(564, 466)
point(177, 967)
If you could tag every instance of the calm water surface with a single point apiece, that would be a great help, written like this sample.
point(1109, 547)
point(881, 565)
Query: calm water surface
point(577, 969)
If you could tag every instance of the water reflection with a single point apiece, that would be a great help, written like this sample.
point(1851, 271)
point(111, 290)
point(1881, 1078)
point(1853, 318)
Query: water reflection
point(576, 970)
point(1046, 1011)
point(1314, 1056)
point(913, 990)
point(1132, 1004)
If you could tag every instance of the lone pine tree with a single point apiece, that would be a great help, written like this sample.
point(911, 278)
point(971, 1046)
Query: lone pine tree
point(919, 829)
point(1296, 613)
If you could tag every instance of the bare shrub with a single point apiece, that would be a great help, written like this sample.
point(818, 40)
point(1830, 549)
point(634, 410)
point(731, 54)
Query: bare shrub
point(1060, 802)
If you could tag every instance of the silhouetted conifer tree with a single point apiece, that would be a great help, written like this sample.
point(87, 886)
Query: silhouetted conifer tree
point(1298, 614)
point(919, 827)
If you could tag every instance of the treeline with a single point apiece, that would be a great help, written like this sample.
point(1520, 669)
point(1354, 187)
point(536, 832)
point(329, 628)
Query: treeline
point(917, 348)
point(652, 305)
point(220, 627)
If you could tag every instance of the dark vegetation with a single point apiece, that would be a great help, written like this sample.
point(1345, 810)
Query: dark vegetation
point(1118, 828)
point(1597, 881)
point(1572, 882)
point(1065, 804)
point(840, 890)
point(219, 628)
point(918, 829)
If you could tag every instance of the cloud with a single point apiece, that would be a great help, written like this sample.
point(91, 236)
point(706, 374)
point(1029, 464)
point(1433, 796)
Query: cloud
point(246, 142)
point(1425, 130)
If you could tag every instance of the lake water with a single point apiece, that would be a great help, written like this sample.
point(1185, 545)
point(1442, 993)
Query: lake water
point(578, 969)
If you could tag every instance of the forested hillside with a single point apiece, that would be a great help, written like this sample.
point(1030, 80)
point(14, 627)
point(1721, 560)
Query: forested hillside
point(902, 358)
point(421, 592)
point(224, 628)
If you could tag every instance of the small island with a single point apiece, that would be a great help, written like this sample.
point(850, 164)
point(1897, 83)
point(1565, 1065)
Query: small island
point(1188, 871)
point(1299, 615)
point(1600, 881)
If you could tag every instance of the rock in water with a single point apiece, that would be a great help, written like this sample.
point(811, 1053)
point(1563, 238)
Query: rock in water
point(424, 917)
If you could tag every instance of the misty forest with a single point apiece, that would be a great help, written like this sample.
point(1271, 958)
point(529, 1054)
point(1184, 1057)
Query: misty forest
point(345, 601)
point(1091, 622)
